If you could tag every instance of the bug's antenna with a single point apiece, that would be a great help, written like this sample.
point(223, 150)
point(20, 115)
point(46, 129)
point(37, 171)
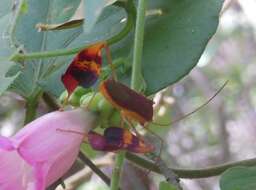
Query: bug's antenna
point(195, 110)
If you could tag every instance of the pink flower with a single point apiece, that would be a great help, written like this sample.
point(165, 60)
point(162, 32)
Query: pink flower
point(40, 153)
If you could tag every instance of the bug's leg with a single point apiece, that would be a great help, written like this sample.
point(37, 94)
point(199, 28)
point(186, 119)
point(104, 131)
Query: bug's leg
point(109, 60)
point(147, 172)
point(127, 120)
point(159, 138)
point(64, 104)
point(123, 118)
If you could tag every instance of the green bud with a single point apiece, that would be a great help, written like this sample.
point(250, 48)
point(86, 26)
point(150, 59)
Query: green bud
point(92, 99)
point(63, 97)
point(74, 99)
point(115, 119)
point(106, 109)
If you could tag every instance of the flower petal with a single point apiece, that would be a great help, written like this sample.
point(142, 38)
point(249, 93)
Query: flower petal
point(6, 143)
point(43, 151)
point(61, 165)
point(15, 172)
point(43, 139)
point(41, 171)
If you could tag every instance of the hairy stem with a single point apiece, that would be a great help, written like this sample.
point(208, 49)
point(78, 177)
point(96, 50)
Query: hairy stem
point(191, 173)
point(62, 52)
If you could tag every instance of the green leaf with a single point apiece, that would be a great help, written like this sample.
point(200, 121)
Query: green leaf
point(53, 83)
point(47, 11)
point(25, 35)
point(5, 81)
point(164, 185)
point(5, 8)
point(5, 48)
point(239, 178)
point(176, 35)
point(92, 11)
point(175, 40)
point(110, 16)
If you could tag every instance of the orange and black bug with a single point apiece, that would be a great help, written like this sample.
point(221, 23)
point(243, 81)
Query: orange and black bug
point(136, 106)
point(116, 138)
point(84, 69)
point(132, 105)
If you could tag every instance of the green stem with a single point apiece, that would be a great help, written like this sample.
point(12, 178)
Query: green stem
point(30, 112)
point(94, 168)
point(191, 173)
point(31, 106)
point(138, 45)
point(117, 170)
point(135, 82)
point(129, 7)
point(50, 102)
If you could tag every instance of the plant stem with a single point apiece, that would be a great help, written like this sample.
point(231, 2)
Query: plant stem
point(31, 106)
point(119, 160)
point(191, 173)
point(30, 111)
point(135, 82)
point(138, 45)
point(62, 52)
point(50, 101)
point(94, 168)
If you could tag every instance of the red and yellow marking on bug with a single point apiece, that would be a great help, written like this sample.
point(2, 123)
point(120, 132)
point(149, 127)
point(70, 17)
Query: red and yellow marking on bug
point(85, 68)
point(115, 138)
point(84, 71)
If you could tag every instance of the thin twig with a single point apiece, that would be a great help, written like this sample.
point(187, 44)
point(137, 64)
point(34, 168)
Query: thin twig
point(83, 175)
point(94, 168)
point(191, 173)
point(50, 101)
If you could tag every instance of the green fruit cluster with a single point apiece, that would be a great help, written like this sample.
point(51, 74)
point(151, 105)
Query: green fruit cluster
point(95, 102)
